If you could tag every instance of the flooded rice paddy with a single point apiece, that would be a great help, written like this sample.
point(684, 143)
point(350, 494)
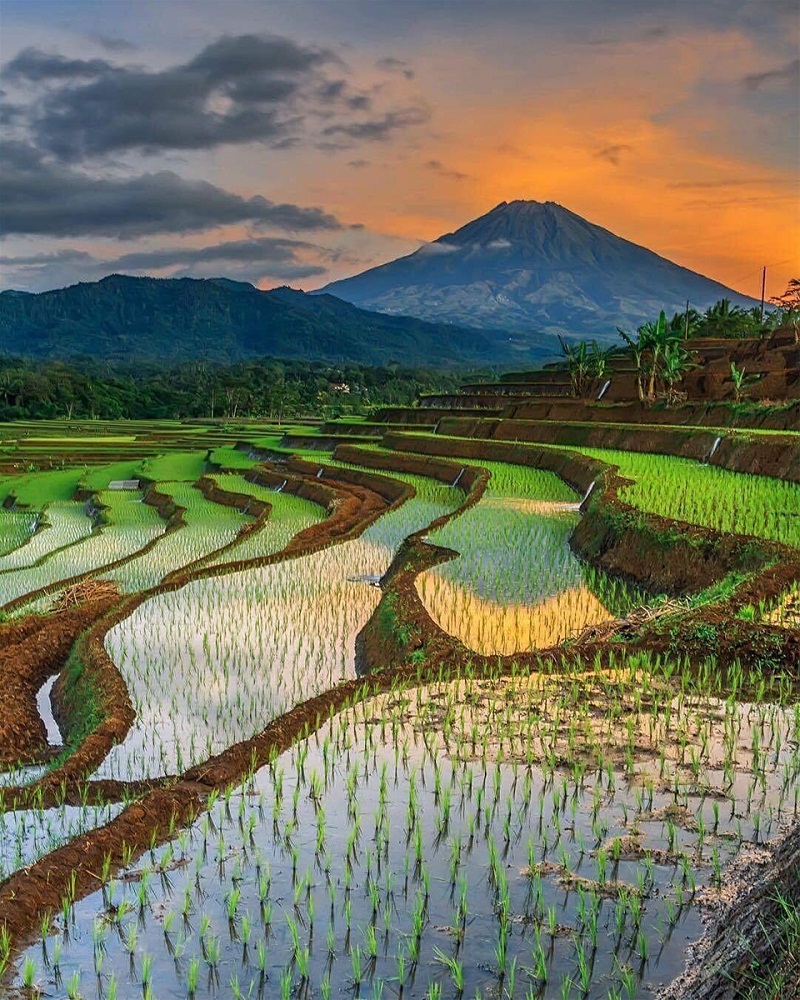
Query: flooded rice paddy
point(533, 836)
point(210, 664)
point(516, 585)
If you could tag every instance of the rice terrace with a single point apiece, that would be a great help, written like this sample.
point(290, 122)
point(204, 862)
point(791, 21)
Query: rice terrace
point(493, 695)
point(399, 500)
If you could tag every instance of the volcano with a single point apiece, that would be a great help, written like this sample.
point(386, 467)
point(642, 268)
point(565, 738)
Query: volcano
point(531, 268)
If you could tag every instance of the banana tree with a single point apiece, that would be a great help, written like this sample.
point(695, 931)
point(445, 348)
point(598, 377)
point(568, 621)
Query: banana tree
point(579, 365)
point(649, 348)
point(657, 337)
point(676, 363)
point(637, 348)
point(599, 359)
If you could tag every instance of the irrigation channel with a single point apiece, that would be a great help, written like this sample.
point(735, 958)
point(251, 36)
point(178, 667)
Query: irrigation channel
point(536, 833)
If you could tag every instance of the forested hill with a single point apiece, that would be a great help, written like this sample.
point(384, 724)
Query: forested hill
point(125, 318)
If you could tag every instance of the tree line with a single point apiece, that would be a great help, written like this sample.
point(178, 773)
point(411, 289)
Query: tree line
point(265, 388)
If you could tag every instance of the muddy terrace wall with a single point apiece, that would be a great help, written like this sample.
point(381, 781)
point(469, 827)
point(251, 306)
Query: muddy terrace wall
point(657, 553)
point(388, 489)
point(421, 416)
point(376, 427)
point(778, 456)
point(779, 418)
point(431, 468)
point(321, 442)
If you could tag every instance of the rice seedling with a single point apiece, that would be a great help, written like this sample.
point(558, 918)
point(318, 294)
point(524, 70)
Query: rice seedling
point(553, 871)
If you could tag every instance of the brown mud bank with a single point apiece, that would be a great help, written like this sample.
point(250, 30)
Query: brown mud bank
point(751, 946)
point(777, 456)
point(31, 651)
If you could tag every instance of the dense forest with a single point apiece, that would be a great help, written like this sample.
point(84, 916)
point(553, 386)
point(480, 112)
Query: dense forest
point(277, 390)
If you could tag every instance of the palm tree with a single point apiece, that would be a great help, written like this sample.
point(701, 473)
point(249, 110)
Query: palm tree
point(725, 320)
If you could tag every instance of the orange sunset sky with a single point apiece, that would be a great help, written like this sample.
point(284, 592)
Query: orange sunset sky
point(298, 143)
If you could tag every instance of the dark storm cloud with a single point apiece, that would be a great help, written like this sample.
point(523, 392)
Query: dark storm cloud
point(231, 58)
point(44, 198)
point(244, 89)
point(249, 260)
point(613, 154)
point(787, 75)
point(36, 66)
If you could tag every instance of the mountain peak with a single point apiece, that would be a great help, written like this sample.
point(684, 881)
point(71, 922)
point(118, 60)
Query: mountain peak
point(520, 222)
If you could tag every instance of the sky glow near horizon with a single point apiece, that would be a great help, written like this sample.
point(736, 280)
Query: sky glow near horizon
point(298, 143)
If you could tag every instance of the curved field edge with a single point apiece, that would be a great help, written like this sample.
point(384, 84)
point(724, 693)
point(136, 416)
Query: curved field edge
point(138, 825)
point(166, 509)
point(39, 646)
point(175, 516)
point(42, 523)
point(660, 553)
point(186, 794)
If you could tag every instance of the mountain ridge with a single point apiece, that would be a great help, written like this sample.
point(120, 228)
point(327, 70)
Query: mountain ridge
point(535, 268)
point(122, 317)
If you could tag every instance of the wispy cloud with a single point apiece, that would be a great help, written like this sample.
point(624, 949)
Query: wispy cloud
point(439, 168)
point(613, 154)
point(787, 75)
point(391, 65)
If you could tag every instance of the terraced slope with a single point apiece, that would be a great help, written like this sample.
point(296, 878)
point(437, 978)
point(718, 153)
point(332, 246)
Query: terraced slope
point(425, 732)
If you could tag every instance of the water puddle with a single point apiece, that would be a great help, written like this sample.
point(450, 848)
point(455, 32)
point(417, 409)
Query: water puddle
point(45, 707)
